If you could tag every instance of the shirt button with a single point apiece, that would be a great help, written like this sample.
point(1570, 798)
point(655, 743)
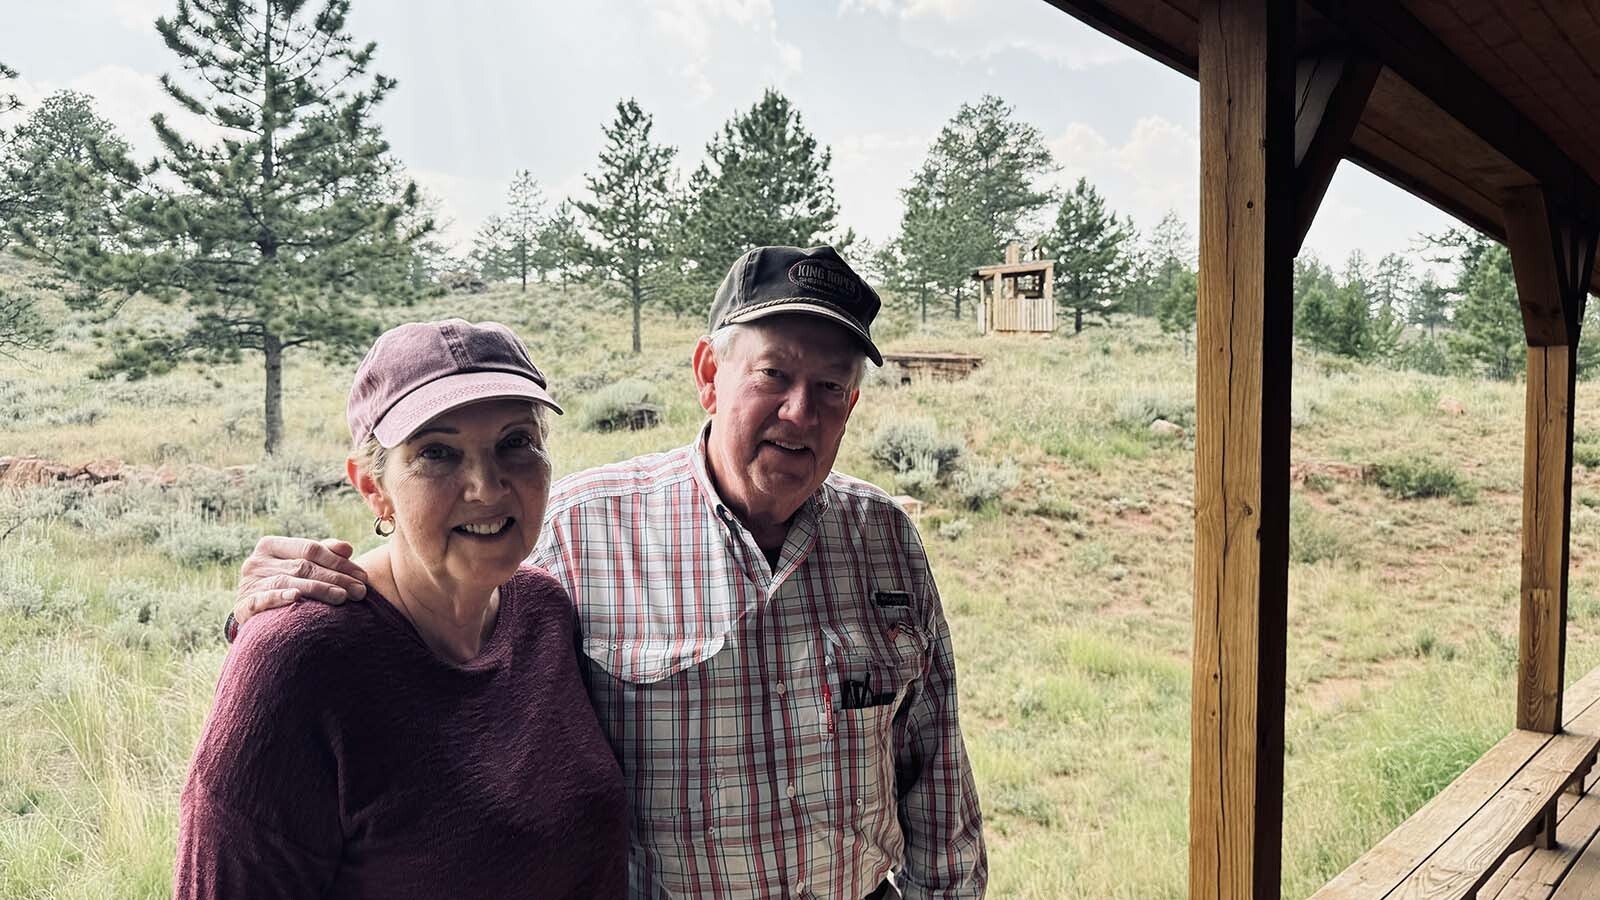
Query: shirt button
point(780, 689)
point(790, 791)
point(800, 889)
point(860, 802)
point(711, 832)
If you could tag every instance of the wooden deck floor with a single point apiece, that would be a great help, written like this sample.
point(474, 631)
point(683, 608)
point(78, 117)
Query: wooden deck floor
point(1568, 871)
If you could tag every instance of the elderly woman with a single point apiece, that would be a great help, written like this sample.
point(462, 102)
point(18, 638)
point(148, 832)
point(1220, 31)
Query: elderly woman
point(435, 741)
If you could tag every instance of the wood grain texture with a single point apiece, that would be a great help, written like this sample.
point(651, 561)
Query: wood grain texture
point(1464, 862)
point(1549, 254)
point(1331, 91)
point(1403, 851)
point(1243, 350)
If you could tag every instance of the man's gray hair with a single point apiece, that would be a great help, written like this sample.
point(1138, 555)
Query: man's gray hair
point(722, 339)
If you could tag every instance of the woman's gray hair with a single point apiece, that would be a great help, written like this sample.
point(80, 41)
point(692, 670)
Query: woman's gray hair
point(722, 339)
point(371, 457)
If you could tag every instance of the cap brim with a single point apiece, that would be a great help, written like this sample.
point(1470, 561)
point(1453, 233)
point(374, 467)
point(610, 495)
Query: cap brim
point(438, 397)
point(803, 306)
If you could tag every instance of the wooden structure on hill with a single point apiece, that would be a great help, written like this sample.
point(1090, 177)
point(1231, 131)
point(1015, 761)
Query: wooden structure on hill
point(1479, 108)
point(914, 366)
point(1019, 294)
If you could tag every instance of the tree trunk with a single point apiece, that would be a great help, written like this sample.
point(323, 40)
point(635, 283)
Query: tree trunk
point(1077, 320)
point(638, 302)
point(272, 349)
point(958, 304)
point(924, 299)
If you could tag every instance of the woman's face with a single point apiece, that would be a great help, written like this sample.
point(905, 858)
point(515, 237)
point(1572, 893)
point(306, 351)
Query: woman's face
point(468, 492)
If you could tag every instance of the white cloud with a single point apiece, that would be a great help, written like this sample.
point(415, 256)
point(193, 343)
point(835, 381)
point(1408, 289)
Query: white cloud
point(698, 30)
point(1156, 168)
point(140, 15)
point(971, 31)
point(869, 169)
point(127, 99)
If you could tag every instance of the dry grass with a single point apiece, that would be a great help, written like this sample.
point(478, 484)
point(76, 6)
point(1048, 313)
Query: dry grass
point(1069, 600)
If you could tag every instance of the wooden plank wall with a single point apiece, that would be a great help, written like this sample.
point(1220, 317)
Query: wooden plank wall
point(1244, 355)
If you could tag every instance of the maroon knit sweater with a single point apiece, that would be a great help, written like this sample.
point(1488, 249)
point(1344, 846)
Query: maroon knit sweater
point(343, 758)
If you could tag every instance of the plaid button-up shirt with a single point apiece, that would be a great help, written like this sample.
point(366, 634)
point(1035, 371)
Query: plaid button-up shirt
point(784, 731)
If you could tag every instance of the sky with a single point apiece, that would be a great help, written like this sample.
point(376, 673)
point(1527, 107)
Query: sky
point(489, 87)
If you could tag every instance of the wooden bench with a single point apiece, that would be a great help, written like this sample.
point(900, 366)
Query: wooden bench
point(1508, 800)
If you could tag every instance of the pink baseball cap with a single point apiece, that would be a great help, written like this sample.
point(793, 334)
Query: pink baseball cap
point(421, 370)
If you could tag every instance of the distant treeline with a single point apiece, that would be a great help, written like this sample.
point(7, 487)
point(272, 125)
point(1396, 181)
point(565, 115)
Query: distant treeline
point(291, 228)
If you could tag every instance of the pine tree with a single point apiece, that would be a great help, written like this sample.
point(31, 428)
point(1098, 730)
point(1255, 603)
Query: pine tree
point(276, 237)
point(935, 249)
point(491, 250)
point(560, 243)
point(21, 327)
point(523, 221)
point(974, 193)
point(1088, 244)
point(1315, 297)
point(1429, 304)
point(765, 181)
point(1177, 300)
point(1488, 322)
point(631, 208)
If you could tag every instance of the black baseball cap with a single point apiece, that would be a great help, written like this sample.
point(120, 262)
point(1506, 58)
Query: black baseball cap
point(774, 281)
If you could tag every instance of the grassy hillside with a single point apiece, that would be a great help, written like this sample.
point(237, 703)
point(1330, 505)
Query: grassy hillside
point(1069, 598)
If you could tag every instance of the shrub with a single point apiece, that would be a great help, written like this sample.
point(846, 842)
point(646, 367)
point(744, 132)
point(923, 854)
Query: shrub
point(905, 446)
point(22, 593)
point(1311, 540)
point(1136, 412)
point(1414, 478)
point(922, 478)
point(955, 529)
point(199, 541)
point(1586, 455)
point(981, 484)
point(630, 404)
point(1423, 355)
point(149, 617)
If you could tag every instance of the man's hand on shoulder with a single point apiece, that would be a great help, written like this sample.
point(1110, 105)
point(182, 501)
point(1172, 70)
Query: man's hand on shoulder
point(284, 570)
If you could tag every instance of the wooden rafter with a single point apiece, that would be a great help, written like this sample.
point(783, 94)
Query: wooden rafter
point(1392, 36)
point(1331, 90)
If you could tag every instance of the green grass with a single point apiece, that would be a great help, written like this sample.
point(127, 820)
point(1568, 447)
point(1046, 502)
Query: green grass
point(1068, 595)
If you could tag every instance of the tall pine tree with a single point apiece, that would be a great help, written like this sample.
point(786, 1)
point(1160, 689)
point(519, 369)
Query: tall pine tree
point(278, 235)
point(1488, 331)
point(1088, 244)
point(975, 191)
point(21, 326)
point(631, 209)
point(523, 221)
point(765, 181)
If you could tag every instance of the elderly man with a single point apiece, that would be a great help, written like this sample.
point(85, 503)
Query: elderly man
point(765, 644)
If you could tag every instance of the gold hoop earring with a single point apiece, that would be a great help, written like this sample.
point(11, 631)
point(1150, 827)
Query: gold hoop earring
point(378, 526)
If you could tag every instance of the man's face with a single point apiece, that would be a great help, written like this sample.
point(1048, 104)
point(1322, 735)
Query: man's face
point(779, 400)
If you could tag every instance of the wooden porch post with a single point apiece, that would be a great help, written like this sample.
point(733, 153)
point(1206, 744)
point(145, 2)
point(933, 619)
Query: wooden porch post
point(1244, 355)
point(1552, 260)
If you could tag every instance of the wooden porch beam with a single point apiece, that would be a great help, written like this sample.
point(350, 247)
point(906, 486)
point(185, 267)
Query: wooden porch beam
point(1243, 350)
point(1331, 90)
point(1552, 258)
point(1123, 29)
point(1389, 33)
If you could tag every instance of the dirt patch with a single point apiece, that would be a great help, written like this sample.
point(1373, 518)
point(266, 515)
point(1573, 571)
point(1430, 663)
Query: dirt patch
point(22, 472)
point(1349, 473)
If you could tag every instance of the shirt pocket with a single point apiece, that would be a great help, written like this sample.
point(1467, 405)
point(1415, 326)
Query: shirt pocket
point(870, 676)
